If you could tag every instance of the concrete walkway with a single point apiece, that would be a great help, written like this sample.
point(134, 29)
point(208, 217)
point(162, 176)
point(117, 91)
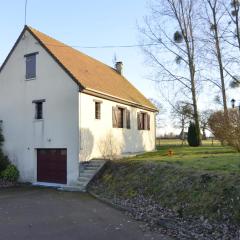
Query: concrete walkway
point(38, 213)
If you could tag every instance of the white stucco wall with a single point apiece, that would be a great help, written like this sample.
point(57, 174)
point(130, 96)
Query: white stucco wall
point(23, 134)
point(96, 134)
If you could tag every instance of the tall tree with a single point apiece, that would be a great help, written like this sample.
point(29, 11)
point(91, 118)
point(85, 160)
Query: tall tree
point(181, 45)
point(213, 15)
point(233, 39)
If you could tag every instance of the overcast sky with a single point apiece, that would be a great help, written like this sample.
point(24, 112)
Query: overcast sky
point(88, 23)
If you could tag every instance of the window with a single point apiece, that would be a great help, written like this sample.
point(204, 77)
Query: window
point(121, 117)
point(143, 121)
point(31, 65)
point(97, 110)
point(120, 112)
point(38, 109)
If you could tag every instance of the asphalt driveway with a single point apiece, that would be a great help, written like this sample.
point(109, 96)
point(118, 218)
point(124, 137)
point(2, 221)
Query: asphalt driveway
point(40, 213)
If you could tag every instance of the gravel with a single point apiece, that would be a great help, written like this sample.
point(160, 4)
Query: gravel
point(6, 184)
point(169, 222)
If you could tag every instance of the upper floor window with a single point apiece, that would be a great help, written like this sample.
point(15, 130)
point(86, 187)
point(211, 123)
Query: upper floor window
point(121, 117)
point(39, 109)
point(143, 119)
point(97, 110)
point(31, 65)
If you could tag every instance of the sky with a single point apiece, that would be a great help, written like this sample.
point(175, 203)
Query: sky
point(88, 23)
point(84, 23)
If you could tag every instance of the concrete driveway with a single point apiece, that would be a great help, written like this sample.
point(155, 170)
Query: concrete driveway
point(38, 213)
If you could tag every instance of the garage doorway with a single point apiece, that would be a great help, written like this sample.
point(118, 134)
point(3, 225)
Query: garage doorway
point(52, 165)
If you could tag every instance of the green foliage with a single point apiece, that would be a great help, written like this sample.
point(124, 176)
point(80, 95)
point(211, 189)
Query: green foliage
point(10, 174)
point(1, 137)
point(4, 162)
point(193, 136)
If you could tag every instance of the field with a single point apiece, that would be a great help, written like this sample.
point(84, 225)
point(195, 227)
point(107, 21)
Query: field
point(178, 142)
point(207, 157)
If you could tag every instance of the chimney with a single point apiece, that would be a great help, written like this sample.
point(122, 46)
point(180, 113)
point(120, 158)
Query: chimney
point(119, 67)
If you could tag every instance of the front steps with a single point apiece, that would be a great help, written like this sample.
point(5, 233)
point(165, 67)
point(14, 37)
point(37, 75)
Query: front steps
point(87, 171)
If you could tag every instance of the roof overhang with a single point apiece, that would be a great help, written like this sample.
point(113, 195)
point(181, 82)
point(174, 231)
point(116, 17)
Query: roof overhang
point(116, 99)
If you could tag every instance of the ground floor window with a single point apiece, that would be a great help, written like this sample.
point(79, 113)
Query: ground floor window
point(121, 117)
point(143, 119)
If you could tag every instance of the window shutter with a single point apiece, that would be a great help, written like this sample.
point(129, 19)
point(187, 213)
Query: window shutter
point(148, 121)
point(128, 119)
point(114, 117)
point(139, 121)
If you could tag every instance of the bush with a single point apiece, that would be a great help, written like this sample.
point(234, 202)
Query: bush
point(10, 174)
point(4, 162)
point(193, 137)
point(226, 131)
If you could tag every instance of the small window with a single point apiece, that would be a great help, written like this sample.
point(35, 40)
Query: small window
point(38, 110)
point(97, 110)
point(143, 121)
point(121, 118)
point(30, 65)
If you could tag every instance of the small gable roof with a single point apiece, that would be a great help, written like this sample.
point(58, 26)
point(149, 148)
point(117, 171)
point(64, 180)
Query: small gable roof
point(93, 76)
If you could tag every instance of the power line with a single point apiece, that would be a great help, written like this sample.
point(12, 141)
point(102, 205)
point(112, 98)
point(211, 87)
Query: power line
point(106, 46)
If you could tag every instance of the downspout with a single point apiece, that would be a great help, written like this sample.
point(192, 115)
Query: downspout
point(80, 122)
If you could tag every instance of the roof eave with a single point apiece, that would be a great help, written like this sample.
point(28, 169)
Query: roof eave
point(116, 99)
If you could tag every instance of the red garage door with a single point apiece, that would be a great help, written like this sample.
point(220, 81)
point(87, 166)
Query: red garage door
point(52, 165)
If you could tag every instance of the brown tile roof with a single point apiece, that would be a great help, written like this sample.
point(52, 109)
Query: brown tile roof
point(91, 74)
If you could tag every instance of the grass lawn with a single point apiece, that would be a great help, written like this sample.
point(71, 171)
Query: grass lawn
point(206, 157)
point(195, 181)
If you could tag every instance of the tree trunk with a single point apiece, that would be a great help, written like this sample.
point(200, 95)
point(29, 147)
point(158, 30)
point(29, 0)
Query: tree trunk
point(220, 64)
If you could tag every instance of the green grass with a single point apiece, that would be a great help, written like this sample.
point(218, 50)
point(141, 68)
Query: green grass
point(194, 181)
point(206, 157)
point(178, 142)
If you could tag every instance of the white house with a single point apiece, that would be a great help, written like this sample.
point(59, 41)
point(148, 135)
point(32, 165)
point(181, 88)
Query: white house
point(59, 107)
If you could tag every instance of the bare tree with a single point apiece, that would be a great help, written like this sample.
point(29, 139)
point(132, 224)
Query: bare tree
point(182, 113)
point(233, 39)
point(204, 117)
point(214, 15)
point(171, 29)
point(159, 116)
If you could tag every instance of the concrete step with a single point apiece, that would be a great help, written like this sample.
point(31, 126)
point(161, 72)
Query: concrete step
point(84, 178)
point(86, 174)
point(77, 188)
point(89, 166)
point(87, 171)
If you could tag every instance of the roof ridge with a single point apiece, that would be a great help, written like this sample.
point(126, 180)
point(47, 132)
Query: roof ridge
point(89, 72)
